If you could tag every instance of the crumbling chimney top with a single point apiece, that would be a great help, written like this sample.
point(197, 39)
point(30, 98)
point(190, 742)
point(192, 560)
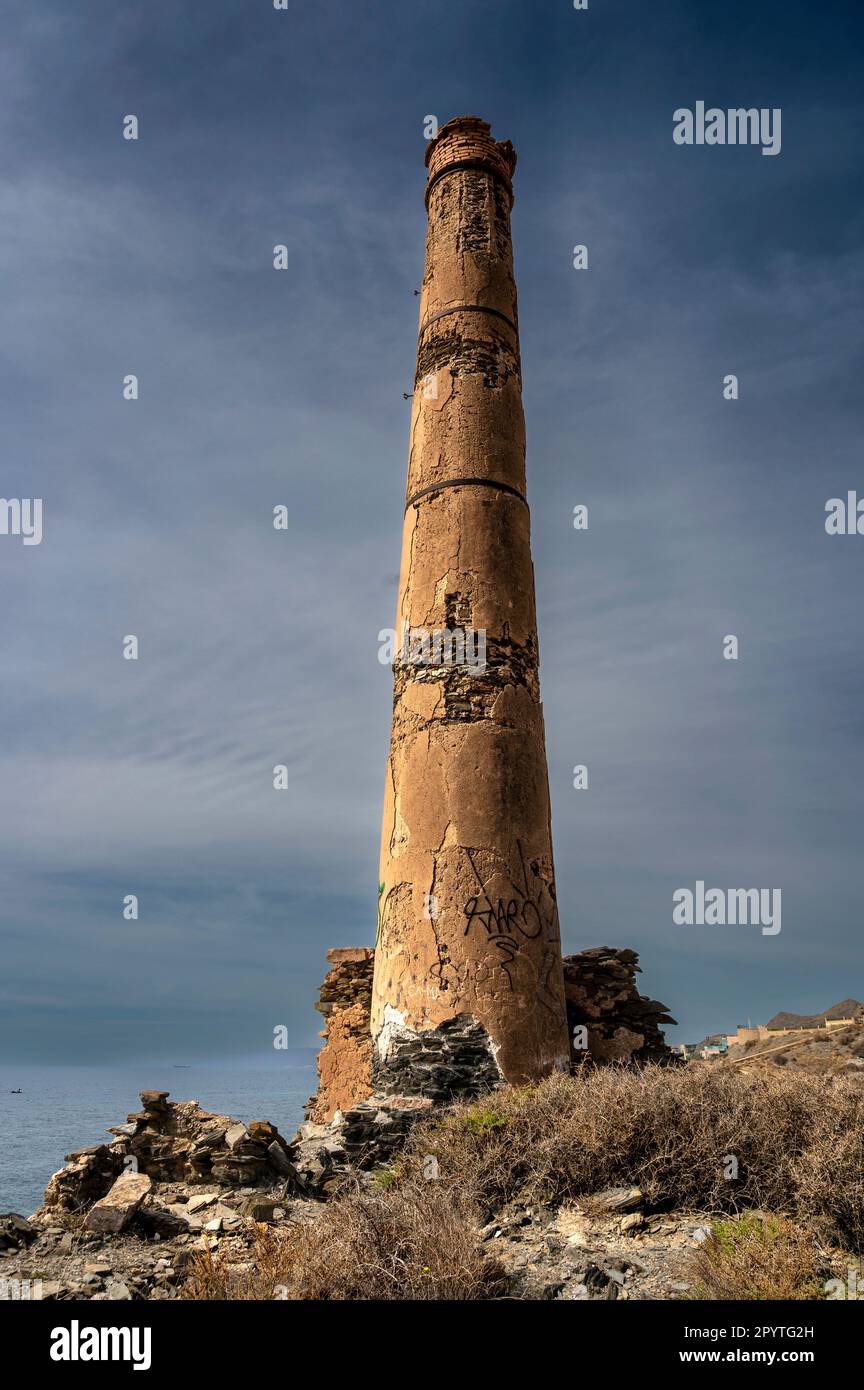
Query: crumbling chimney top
point(466, 142)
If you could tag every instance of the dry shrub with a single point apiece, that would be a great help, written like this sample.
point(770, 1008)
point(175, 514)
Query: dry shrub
point(798, 1141)
point(758, 1256)
point(211, 1276)
point(414, 1240)
point(409, 1241)
point(829, 1178)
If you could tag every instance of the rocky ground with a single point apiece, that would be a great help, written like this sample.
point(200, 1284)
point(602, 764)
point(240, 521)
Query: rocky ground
point(566, 1253)
point(138, 1262)
point(612, 1250)
point(123, 1221)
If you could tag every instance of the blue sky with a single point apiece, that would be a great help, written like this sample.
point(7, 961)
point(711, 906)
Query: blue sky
point(259, 387)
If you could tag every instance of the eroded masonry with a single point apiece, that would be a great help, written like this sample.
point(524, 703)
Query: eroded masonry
point(468, 957)
point(608, 1020)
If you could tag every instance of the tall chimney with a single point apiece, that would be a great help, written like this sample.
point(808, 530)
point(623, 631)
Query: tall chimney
point(468, 985)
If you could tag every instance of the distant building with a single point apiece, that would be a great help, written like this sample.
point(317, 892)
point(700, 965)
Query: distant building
point(840, 1016)
point(713, 1046)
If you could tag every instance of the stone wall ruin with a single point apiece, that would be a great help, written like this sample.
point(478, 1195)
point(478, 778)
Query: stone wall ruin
point(454, 1061)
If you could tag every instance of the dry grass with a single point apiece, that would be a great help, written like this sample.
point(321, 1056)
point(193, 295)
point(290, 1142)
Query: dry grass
point(211, 1276)
point(411, 1241)
point(759, 1256)
point(798, 1142)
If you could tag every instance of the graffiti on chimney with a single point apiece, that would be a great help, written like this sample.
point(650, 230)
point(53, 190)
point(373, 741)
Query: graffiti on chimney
point(510, 920)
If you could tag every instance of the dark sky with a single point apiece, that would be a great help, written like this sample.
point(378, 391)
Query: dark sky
point(259, 387)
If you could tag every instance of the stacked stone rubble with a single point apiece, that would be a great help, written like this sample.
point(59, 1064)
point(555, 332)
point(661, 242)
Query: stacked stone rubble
point(620, 1023)
point(173, 1143)
point(367, 1135)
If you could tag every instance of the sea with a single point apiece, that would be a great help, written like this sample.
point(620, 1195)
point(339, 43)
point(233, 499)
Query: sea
point(65, 1108)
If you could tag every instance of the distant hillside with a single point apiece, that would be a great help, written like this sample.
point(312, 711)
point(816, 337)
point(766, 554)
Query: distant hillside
point(824, 1051)
point(847, 1008)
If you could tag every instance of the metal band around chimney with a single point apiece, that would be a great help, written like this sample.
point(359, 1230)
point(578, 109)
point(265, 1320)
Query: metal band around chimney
point(466, 482)
point(467, 309)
